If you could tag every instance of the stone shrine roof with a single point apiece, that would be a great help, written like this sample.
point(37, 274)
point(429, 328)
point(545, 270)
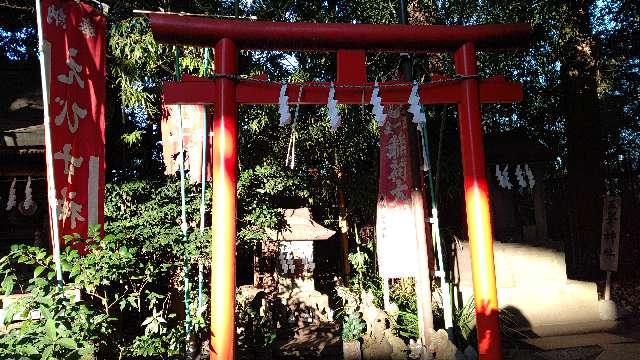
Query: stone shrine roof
point(300, 227)
point(21, 111)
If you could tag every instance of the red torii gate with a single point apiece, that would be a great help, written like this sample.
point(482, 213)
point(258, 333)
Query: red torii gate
point(350, 41)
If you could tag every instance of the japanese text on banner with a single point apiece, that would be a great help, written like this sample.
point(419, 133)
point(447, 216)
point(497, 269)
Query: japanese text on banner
point(74, 43)
point(396, 236)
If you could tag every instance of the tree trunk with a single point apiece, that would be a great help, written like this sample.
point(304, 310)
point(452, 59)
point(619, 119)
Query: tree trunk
point(580, 101)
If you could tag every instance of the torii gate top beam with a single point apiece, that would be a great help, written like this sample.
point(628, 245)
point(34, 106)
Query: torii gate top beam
point(266, 35)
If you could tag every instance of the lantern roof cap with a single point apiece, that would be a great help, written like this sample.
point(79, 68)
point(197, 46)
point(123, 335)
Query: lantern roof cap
point(300, 227)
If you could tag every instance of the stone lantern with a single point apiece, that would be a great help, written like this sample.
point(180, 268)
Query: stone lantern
point(285, 266)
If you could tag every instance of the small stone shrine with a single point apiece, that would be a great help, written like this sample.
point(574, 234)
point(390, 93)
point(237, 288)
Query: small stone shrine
point(285, 266)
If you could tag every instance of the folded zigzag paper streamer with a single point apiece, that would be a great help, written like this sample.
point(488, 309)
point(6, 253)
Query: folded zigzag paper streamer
point(11, 203)
point(532, 180)
point(414, 105)
point(332, 107)
point(28, 199)
point(503, 177)
point(376, 101)
point(520, 177)
point(283, 106)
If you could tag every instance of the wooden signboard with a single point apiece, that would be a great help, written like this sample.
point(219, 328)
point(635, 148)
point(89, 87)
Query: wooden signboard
point(610, 241)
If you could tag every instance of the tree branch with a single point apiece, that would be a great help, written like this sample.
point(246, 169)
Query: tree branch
point(17, 7)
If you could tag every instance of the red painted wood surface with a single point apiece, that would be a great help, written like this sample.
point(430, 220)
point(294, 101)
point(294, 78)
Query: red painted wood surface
point(270, 35)
point(195, 90)
point(223, 243)
point(476, 195)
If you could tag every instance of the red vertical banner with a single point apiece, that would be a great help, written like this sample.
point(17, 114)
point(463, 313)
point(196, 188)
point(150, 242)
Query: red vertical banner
point(74, 61)
point(396, 230)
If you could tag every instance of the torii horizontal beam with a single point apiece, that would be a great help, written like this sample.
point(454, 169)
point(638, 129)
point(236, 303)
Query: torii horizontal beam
point(197, 90)
point(269, 35)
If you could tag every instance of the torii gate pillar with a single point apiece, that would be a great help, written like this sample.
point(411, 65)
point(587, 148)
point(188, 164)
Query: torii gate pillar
point(476, 195)
point(224, 177)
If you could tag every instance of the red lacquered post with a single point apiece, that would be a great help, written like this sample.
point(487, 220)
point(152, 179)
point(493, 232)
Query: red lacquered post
point(223, 244)
point(477, 205)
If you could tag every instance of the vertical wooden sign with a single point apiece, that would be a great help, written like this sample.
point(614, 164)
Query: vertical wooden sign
point(610, 240)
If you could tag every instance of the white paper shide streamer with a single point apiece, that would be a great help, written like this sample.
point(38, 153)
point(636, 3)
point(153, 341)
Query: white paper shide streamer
point(378, 109)
point(283, 106)
point(332, 107)
point(28, 199)
point(11, 203)
point(503, 177)
point(530, 178)
point(414, 105)
point(520, 177)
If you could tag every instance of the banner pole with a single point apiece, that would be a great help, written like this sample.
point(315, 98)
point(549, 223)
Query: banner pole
point(51, 185)
point(203, 181)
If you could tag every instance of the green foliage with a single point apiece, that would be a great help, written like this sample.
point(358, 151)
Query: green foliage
point(402, 292)
point(136, 58)
point(349, 313)
point(55, 324)
point(364, 279)
point(464, 319)
point(133, 137)
point(129, 283)
point(359, 261)
point(260, 190)
point(147, 213)
point(255, 324)
point(407, 325)
point(352, 327)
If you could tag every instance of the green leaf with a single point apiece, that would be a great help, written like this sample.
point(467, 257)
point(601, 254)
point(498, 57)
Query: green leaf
point(50, 327)
point(68, 343)
point(38, 271)
point(122, 303)
point(30, 349)
point(147, 320)
point(124, 251)
point(40, 255)
point(65, 265)
point(86, 350)
point(10, 313)
point(47, 354)
point(7, 284)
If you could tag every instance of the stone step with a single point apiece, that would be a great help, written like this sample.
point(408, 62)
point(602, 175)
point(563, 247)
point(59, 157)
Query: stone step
point(531, 308)
point(533, 290)
point(517, 265)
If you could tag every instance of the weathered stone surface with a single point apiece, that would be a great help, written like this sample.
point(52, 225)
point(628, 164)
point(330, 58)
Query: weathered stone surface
point(307, 307)
point(351, 350)
point(608, 310)
point(379, 341)
point(533, 289)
